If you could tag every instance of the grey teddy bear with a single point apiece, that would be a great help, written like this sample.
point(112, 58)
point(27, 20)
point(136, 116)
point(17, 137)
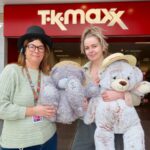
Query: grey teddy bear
point(65, 88)
point(119, 73)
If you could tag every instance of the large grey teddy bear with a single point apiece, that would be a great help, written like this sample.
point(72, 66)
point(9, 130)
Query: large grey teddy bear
point(118, 73)
point(65, 88)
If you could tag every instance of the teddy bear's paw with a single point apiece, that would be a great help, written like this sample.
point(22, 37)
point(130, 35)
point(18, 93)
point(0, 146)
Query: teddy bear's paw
point(143, 87)
point(87, 120)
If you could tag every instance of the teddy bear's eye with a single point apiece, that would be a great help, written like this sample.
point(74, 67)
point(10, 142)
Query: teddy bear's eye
point(114, 78)
point(128, 78)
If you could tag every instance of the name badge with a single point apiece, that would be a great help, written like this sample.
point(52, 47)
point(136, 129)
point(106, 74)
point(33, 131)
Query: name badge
point(36, 119)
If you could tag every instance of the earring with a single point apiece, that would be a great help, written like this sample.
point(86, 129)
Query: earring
point(22, 49)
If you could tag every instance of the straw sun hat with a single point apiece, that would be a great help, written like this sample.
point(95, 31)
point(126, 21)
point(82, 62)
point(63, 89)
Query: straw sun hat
point(118, 56)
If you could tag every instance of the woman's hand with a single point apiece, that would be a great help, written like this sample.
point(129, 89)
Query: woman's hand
point(41, 110)
point(85, 104)
point(110, 95)
point(45, 111)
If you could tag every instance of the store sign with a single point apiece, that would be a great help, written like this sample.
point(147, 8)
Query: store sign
point(69, 20)
point(111, 17)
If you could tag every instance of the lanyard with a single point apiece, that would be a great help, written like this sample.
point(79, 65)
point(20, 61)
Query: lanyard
point(35, 93)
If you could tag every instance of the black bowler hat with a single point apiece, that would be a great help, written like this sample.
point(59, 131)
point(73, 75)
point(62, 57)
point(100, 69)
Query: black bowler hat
point(35, 32)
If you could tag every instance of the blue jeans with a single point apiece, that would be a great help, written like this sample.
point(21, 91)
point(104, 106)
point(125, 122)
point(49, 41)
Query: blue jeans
point(51, 144)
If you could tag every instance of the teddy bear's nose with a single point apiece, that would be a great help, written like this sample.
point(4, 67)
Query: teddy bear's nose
point(123, 83)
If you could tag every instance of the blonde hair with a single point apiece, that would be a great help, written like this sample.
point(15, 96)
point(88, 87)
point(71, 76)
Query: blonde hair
point(45, 64)
point(96, 32)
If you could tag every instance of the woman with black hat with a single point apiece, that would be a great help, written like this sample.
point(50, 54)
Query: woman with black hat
point(25, 124)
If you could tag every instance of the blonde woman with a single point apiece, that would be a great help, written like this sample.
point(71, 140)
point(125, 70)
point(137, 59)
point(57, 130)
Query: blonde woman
point(94, 46)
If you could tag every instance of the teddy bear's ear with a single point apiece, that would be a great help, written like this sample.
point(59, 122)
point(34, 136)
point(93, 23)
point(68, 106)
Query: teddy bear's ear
point(142, 88)
point(138, 74)
point(53, 70)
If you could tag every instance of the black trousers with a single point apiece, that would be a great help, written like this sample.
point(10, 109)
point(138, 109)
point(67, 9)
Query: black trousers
point(84, 137)
point(118, 141)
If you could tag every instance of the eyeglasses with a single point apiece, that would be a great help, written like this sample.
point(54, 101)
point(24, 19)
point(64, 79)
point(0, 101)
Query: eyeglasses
point(33, 47)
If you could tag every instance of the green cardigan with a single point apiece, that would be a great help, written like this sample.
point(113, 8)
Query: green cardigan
point(18, 130)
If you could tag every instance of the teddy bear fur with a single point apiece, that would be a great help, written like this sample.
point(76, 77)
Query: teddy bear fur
point(118, 116)
point(49, 94)
point(65, 88)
